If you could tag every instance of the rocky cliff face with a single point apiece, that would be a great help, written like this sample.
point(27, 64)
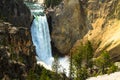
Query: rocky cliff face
point(104, 16)
point(72, 21)
point(69, 24)
point(16, 12)
point(17, 55)
point(105, 19)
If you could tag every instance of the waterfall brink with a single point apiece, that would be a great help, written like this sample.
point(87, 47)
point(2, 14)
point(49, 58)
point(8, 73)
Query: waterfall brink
point(41, 39)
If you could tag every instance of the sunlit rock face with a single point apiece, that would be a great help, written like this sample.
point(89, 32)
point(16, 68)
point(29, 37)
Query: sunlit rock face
point(104, 17)
point(69, 24)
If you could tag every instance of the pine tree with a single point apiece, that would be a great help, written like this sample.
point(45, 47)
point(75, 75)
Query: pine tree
point(44, 75)
point(55, 67)
point(77, 62)
point(103, 61)
point(82, 61)
point(90, 54)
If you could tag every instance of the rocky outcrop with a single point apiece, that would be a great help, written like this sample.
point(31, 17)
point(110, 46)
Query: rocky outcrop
point(69, 24)
point(17, 54)
point(16, 12)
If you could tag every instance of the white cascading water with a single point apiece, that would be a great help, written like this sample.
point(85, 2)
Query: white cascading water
point(41, 39)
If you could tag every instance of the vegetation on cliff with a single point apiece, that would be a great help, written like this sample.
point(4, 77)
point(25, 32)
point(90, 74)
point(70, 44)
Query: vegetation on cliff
point(84, 65)
point(17, 56)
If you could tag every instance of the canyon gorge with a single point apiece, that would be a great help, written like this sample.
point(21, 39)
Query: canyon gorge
point(71, 23)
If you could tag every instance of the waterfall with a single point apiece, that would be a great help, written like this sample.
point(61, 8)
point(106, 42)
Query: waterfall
point(40, 35)
point(41, 39)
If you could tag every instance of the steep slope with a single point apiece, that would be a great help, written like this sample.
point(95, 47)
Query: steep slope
point(15, 12)
point(68, 25)
point(104, 17)
point(17, 53)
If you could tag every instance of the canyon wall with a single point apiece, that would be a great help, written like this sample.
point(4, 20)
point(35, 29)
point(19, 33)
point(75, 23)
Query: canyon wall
point(104, 16)
point(15, 12)
point(81, 20)
point(17, 53)
point(69, 24)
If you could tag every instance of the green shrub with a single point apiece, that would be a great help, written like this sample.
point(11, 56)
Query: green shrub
point(82, 61)
point(112, 69)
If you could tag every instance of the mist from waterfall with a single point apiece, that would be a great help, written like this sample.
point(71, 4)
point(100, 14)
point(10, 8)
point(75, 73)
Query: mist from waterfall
point(41, 40)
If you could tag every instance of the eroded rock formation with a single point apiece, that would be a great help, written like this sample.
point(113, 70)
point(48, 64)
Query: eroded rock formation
point(69, 24)
point(17, 54)
point(16, 12)
point(104, 16)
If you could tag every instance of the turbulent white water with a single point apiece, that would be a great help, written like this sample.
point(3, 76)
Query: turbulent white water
point(41, 40)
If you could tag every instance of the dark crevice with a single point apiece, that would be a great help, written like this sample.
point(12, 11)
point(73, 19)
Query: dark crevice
point(55, 51)
point(49, 19)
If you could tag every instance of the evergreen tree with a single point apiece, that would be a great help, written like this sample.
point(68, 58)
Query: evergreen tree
point(77, 62)
point(55, 67)
point(103, 62)
point(88, 54)
point(82, 61)
point(88, 57)
point(32, 75)
point(112, 69)
point(44, 75)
